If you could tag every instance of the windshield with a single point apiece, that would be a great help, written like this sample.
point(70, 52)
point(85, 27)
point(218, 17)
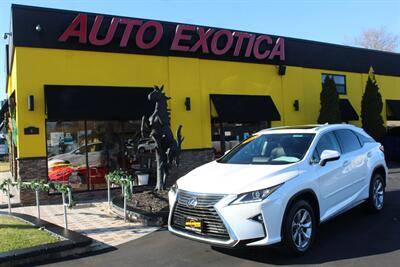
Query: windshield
point(269, 149)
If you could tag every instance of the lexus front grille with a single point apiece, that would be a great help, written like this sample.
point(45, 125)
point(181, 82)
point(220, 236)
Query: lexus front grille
point(203, 210)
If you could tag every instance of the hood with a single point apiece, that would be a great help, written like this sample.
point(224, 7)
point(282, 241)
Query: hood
point(223, 178)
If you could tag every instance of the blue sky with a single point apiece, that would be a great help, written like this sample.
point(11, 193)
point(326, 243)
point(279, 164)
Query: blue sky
point(321, 20)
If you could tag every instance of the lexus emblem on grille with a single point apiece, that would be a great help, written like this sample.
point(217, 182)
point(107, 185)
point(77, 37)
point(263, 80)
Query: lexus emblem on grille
point(192, 202)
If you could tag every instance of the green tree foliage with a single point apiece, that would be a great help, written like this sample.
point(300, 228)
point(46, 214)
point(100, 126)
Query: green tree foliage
point(371, 108)
point(330, 109)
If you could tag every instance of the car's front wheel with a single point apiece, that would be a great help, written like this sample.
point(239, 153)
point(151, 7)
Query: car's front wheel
point(376, 193)
point(299, 228)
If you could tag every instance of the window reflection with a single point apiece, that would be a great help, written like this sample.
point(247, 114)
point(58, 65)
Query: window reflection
point(66, 153)
point(81, 153)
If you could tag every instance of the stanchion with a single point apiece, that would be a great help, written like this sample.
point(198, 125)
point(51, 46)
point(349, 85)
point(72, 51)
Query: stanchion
point(65, 211)
point(124, 194)
point(109, 193)
point(37, 203)
point(9, 198)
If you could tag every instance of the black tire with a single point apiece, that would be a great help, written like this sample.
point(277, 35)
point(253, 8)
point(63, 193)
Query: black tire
point(376, 197)
point(142, 150)
point(289, 228)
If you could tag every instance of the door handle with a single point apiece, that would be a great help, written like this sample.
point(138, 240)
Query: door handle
point(346, 163)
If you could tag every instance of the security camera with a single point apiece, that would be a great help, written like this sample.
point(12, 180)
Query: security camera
point(6, 35)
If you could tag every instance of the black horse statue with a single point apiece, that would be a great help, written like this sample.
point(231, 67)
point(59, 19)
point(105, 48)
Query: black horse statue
point(157, 127)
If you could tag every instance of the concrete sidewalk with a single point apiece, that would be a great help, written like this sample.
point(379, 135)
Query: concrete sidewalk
point(93, 220)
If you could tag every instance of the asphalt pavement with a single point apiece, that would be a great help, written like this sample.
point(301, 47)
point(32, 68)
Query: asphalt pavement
point(356, 238)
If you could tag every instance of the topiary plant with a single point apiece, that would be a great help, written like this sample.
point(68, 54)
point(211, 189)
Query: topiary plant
point(330, 108)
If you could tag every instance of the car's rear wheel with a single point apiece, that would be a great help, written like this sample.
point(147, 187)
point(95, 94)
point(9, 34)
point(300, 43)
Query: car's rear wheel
point(299, 228)
point(376, 193)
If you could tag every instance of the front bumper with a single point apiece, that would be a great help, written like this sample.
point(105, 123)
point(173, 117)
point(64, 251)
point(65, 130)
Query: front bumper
point(239, 221)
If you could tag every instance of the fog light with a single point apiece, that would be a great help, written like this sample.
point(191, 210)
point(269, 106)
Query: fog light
point(258, 218)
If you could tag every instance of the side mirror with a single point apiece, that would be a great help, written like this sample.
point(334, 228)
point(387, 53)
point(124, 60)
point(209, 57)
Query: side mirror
point(329, 155)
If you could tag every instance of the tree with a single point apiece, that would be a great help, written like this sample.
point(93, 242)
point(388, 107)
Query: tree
point(330, 110)
point(371, 108)
point(378, 39)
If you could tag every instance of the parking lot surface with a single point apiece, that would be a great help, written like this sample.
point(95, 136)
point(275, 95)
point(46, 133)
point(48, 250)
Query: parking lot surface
point(355, 238)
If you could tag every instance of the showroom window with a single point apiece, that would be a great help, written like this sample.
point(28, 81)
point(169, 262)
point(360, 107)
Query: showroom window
point(81, 153)
point(340, 82)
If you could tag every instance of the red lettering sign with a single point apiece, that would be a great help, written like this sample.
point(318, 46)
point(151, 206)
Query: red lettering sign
point(219, 42)
point(256, 48)
point(239, 42)
point(202, 42)
point(180, 36)
point(128, 30)
point(279, 49)
point(215, 39)
point(95, 29)
point(79, 22)
point(140, 34)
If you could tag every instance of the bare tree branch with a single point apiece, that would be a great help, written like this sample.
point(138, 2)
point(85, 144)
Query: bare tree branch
point(377, 38)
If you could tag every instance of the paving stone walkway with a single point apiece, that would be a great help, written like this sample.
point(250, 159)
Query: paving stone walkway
point(93, 220)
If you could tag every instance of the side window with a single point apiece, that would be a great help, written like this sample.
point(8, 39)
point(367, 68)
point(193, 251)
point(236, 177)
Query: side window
point(348, 140)
point(364, 139)
point(326, 142)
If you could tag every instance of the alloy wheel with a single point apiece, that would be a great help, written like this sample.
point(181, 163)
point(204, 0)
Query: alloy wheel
point(302, 229)
point(378, 194)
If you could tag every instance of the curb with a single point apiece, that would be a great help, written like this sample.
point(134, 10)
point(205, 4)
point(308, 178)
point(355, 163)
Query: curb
point(137, 215)
point(74, 244)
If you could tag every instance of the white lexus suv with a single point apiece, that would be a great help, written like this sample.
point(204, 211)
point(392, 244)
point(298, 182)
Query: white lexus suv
point(278, 185)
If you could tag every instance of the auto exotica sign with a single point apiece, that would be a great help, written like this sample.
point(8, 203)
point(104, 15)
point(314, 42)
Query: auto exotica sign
point(147, 35)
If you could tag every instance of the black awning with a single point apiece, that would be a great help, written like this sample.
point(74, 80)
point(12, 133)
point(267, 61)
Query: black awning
point(394, 109)
point(96, 102)
point(245, 108)
point(3, 110)
point(347, 111)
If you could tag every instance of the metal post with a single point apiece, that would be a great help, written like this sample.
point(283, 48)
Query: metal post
point(123, 189)
point(37, 203)
point(65, 211)
point(9, 198)
point(109, 193)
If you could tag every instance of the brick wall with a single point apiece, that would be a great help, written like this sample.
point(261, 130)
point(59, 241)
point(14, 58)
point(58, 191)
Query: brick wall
point(189, 160)
point(32, 169)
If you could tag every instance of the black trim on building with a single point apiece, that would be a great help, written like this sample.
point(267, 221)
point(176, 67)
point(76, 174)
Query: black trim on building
point(245, 108)
point(298, 52)
point(64, 102)
point(394, 107)
point(347, 111)
point(7, 66)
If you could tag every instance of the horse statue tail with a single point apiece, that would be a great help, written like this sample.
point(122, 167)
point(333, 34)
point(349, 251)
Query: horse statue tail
point(179, 136)
point(179, 140)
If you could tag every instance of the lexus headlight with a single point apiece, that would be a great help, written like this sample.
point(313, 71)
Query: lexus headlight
point(255, 196)
point(174, 188)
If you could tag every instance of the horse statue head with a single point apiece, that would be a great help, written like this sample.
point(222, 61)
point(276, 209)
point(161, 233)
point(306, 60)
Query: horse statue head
point(158, 94)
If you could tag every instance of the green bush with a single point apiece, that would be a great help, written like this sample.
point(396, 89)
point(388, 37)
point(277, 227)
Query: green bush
point(330, 109)
point(371, 109)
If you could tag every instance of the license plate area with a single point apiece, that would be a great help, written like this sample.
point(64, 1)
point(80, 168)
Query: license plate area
point(193, 224)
